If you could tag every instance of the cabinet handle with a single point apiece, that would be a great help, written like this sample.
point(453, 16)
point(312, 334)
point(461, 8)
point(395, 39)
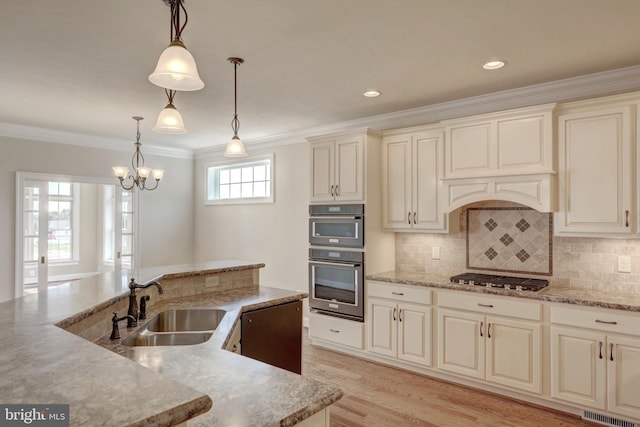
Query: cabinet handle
point(235, 348)
point(600, 352)
point(42, 260)
point(481, 325)
point(394, 314)
point(400, 315)
point(409, 218)
point(485, 305)
point(414, 218)
point(332, 195)
point(489, 330)
point(335, 331)
point(626, 218)
point(397, 293)
point(606, 322)
point(611, 352)
point(337, 192)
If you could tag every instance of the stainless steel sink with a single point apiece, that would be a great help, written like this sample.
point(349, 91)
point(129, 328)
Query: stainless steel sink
point(186, 320)
point(177, 327)
point(146, 338)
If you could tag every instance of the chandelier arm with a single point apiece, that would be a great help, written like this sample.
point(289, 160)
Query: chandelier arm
point(186, 18)
point(127, 188)
point(144, 185)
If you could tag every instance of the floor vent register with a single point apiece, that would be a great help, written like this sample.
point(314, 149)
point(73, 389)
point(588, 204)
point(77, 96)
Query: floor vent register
point(607, 420)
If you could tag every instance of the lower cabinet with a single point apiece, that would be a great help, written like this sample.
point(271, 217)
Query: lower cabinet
point(497, 349)
point(335, 330)
point(399, 322)
point(596, 368)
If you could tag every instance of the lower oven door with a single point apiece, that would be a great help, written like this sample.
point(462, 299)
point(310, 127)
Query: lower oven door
point(336, 287)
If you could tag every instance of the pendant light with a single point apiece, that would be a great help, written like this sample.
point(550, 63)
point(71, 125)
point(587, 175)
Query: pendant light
point(170, 120)
point(235, 147)
point(176, 68)
point(142, 172)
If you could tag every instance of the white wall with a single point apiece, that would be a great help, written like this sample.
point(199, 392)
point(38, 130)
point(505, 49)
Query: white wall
point(166, 221)
point(274, 233)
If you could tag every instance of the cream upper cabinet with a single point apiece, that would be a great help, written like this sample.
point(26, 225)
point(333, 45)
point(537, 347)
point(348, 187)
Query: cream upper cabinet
point(412, 163)
point(338, 167)
point(597, 189)
point(596, 359)
point(399, 326)
point(477, 339)
point(508, 155)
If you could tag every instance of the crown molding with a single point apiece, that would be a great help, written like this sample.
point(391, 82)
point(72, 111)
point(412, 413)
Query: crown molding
point(84, 140)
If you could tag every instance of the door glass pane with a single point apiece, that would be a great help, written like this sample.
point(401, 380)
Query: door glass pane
point(31, 222)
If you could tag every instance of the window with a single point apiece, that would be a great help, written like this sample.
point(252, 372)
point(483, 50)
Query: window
point(240, 182)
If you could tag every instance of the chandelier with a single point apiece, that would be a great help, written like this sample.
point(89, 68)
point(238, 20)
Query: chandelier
point(142, 172)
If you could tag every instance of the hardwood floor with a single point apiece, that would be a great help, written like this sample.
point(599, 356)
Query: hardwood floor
point(377, 395)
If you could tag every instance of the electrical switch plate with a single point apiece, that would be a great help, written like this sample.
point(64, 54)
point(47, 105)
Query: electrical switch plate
point(624, 264)
point(435, 252)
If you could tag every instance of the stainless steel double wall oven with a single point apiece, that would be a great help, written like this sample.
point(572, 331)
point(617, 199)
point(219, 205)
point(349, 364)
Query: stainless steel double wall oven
point(336, 260)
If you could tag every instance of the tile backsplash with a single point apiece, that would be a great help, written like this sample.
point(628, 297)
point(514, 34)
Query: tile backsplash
point(581, 263)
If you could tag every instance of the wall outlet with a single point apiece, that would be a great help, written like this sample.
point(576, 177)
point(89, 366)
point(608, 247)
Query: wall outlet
point(435, 252)
point(624, 264)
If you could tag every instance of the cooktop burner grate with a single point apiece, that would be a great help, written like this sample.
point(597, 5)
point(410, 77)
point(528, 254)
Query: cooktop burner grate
point(502, 282)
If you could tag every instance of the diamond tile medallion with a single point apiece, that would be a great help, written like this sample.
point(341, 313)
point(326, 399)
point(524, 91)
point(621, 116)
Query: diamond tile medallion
point(517, 240)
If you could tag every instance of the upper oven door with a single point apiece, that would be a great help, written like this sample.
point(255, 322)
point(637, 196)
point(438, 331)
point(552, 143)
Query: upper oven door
point(338, 231)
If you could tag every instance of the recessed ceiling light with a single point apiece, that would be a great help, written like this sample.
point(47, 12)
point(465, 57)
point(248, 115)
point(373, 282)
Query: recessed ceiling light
point(494, 65)
point(372, 93)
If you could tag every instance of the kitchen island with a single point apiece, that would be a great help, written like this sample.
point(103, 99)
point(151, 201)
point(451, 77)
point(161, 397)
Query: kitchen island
point(42, 363)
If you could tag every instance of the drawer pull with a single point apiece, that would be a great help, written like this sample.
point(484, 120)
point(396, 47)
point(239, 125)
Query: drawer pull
point(600, 344)
point(397, 293)
point(611, 352)
point(485, 305)
point(606, 322)
point(335, 331)
point(481, 325)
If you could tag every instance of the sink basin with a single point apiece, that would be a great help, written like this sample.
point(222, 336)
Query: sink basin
point(177, 327)
point(146, 338)
point(204, 319)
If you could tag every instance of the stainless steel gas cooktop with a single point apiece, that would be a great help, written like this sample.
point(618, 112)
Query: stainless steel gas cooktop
point(502, 282)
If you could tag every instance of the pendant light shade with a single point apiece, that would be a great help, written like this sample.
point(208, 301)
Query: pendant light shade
point(235, 147)
point(176, 68)
point(170, 120)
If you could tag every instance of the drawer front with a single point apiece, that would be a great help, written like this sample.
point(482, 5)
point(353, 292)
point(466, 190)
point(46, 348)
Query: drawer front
point(596, 318)
point(340, 331)
point(406, 293)
point(496, 305)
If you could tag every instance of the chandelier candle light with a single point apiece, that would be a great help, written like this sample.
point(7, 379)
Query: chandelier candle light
point(176, 68)
point(235, 147)
point(141, 172)
point(169, 119)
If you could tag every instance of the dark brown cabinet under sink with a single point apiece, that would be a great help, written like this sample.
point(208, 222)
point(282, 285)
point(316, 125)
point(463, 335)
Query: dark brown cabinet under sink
point(274, 335)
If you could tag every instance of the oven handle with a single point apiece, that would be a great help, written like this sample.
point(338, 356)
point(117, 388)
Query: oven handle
point(334, 217)
point(333, 264)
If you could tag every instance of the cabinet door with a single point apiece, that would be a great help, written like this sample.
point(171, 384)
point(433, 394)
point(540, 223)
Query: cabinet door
point(349, 169)
point(428, 214)
point(396, 182)
point(514, 354)
point(461, 343)
point(322, 175)
point(578, 369)
point(470, 150)
point(414, 333)
point(623, 375)
point(383, 315)
point(595, 179)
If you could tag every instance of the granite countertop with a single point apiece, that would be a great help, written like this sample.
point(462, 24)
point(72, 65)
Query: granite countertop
point(245, 392)
point(41, 363)
point(551, 293)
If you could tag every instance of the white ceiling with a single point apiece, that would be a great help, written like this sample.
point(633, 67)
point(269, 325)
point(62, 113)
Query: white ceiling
point(81, 65)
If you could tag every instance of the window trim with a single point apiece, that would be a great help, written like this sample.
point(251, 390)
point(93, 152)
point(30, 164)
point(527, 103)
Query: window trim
point(240, 201)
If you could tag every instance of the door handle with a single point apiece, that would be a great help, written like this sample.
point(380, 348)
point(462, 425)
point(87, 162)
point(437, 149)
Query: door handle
point(337, 192)
point(414, 218)
point(600, 351)
point(394, 314)
point(42, 260)
point(611, 352)
point(332, 195)
point(489, 330)
point(409, 218)
point(400, 315)
point(481, 325)
point(626, 218)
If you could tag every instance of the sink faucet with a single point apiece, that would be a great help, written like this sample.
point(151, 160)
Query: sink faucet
point(133, 301)
point(115, 332)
